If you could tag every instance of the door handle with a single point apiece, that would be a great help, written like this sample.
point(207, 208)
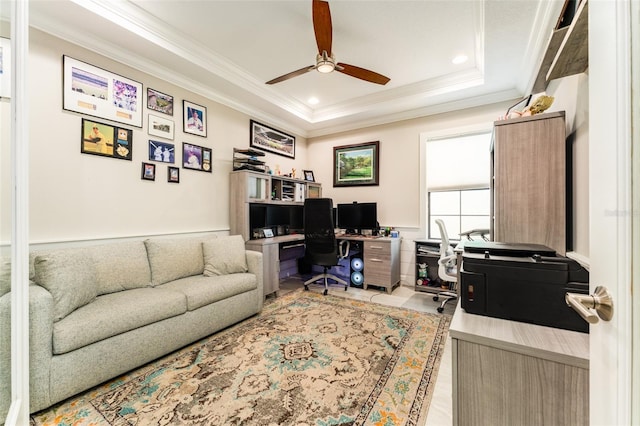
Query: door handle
point(601, 301)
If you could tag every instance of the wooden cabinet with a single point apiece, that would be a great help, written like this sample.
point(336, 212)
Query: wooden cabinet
point(529, 181)
point(513, 373)
point(250, 188)
point(382, 263)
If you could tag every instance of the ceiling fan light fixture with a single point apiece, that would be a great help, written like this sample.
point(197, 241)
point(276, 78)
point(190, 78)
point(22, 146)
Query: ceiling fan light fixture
point(325, 63)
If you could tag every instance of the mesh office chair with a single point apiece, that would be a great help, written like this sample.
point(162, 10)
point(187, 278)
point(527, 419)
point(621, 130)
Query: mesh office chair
point(447, 268)
point(321, 247)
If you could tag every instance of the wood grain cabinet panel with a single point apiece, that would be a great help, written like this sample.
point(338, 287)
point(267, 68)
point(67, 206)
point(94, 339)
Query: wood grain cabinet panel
point(529, 185)
point(382, 263)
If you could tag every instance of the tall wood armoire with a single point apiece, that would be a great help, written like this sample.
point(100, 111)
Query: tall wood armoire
point(529, 181)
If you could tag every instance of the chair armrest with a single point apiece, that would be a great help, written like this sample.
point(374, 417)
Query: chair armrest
point(446, 259)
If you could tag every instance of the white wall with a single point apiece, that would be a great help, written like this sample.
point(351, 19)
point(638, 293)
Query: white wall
point(76, 196)
point(571, 94)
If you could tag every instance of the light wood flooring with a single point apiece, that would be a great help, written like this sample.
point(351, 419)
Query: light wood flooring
point(440, 409)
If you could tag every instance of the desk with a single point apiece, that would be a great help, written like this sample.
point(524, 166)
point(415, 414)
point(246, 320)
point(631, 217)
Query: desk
point(381, 257)
point(270, 249)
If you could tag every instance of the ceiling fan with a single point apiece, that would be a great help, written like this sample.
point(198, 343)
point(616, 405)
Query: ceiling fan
point(325, 60)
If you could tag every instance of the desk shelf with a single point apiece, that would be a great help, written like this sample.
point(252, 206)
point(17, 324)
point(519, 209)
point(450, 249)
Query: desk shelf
point(427, 279)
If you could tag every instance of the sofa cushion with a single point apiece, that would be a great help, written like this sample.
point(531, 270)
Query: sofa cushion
point(112, 314)
point(120, 266)
point(69, 275)
point(5, 275)
point(224, 255)
point(201, 290)
point(174, 258)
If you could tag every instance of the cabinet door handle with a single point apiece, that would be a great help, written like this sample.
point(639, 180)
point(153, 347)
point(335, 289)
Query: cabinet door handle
point(376, 247)
point(375, 260)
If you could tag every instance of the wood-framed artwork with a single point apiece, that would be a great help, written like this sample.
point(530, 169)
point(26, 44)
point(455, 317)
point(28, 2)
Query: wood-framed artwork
point(173, 174)
point(97, 92)
point(357, 164)
point(148, 171)
point(268, 139)
point(159, 126)
point(194, 118)
point(196, 157)
point(105, 140)
point(308, 175)
point(163, 152)
point(5, 67)
point(159, 101)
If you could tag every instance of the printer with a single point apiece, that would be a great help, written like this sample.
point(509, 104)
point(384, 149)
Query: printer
point(521, 282)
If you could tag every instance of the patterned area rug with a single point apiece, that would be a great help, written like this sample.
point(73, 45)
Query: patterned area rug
point(307, 359)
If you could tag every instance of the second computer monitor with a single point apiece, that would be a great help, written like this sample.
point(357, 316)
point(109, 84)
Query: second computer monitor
point(355, 217)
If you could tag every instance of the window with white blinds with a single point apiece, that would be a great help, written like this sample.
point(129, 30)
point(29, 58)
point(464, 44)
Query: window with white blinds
point(457, 175)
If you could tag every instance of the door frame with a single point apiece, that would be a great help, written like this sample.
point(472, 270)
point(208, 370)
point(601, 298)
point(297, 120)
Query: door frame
point(610, 207)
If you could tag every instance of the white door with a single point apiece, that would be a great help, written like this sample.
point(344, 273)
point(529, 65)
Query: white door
point(610, 207)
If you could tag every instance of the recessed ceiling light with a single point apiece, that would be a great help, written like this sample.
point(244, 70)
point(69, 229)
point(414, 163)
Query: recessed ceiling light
point(460, 59)
point(313, 100)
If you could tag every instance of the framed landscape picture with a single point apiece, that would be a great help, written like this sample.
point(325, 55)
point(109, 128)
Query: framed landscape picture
point(272, 140)
point(356, 165)
point(159, 126)
point(159, 101)
point(93, 91)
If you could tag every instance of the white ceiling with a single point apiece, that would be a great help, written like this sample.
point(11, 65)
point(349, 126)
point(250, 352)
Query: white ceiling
point(227, 50)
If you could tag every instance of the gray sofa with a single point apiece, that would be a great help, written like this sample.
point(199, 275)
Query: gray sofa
point(97, 312)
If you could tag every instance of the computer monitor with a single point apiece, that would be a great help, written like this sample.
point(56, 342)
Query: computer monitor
point(355, 217)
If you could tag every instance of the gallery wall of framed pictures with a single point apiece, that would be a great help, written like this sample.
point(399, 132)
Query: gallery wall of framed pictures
point(102, 94)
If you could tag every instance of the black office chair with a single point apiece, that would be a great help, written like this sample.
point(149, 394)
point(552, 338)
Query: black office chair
point(321, 247)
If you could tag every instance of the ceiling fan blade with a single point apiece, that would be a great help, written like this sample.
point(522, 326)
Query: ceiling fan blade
point(322, 26)
point(362, 73)
point(291, 74)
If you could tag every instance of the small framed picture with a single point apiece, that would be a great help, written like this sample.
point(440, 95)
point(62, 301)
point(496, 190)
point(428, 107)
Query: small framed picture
point(195, 118)
point(105, 140)
point(173, 175)
point(268, 233)
point(196, 157)
point(308, 175)
point(162, 151)
point(148, 171)
point(161, 127)
point(159, 101)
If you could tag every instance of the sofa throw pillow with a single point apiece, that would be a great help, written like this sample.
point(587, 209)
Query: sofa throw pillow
point(174, 258)
point(224, 255)
point(69, 276)
point(120, 266)
point(5, 276)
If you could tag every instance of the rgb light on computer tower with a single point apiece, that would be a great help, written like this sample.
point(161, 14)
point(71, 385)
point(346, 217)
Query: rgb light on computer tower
point(357, 264)
point(357, 278)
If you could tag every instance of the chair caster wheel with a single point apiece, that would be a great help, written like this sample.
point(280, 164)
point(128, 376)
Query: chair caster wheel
point(345, 288)
point(306, 288)
point(325, 292)
point(435, 298)
point(440, 310)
